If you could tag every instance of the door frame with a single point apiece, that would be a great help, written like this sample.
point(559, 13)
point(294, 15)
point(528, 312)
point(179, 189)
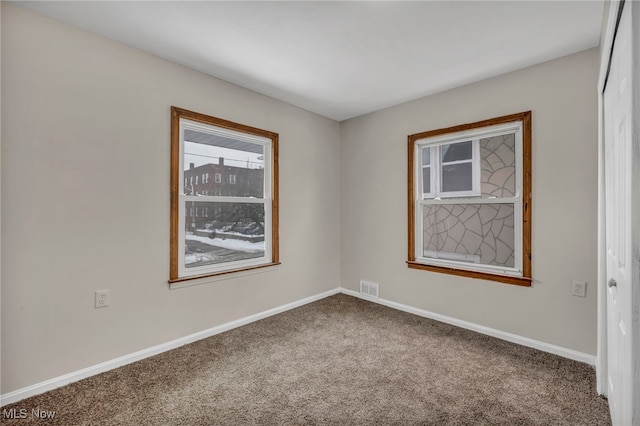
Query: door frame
point(602, 358)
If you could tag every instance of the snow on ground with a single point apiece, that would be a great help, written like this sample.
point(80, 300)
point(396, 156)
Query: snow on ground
point(219, 232)
point(231, 244)
point(197, 257)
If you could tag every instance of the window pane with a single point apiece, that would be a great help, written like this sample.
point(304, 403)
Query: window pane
point(457, 151)
point(474, 233)
point(498, 166)
point(457, 177)
point(426, 180)
point(223, 232)
point(426, 156)
point(238, 166)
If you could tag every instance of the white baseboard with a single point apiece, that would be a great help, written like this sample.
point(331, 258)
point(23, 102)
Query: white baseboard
point(75, 376)
point(57, 382)
point(509, 337)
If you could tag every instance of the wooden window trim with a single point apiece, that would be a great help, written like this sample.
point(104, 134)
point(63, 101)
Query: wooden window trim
point(507, 279)
point(526, 278)
point(180, 113)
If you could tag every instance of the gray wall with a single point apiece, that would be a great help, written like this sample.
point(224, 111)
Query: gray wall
point(85, 196)
point(563, 99)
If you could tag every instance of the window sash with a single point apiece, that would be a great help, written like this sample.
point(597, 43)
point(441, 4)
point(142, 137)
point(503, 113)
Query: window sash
point(210, 129)
point(517, 269)
point(431, 193)
point(266, 143)
point(226, 266)
point(436, 165)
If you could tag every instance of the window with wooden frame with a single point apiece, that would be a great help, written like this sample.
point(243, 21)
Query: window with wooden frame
point(470, 200)
point(218, 226)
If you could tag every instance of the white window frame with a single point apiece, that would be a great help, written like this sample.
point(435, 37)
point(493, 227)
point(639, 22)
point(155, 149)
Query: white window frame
point(436, 164)
point(453, 260)
point(432, 192)
point(266, 201)
point(218, 178)
point(232, 179)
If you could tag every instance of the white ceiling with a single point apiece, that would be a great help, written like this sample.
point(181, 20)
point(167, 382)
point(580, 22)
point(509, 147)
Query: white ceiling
point(344, 59)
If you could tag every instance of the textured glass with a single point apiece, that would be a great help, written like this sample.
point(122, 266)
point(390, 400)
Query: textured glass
point(457, 151)
point(498, 166)
point(457, 177)
point(479, 233)
point(426, 180)
point(223, 232)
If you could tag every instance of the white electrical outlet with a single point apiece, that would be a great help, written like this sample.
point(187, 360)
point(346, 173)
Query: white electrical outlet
point(103, 298)
point(579, 288)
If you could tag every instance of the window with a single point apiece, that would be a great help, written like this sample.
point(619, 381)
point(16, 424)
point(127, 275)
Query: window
point(451, 170)
point(232, 179)
point(224, 232)
point(470, 200)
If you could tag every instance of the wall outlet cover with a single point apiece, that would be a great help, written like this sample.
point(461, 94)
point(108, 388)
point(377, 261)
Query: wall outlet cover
point(102, 298)
point(579, 288)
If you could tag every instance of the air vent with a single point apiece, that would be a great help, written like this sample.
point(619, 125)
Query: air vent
point(369, 289)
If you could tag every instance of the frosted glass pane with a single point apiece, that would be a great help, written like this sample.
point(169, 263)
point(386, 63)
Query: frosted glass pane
point(475, 233)
point(498, 166)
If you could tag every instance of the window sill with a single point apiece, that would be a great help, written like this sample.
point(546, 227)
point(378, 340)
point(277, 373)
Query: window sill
point(521, 281)
point(224, 275)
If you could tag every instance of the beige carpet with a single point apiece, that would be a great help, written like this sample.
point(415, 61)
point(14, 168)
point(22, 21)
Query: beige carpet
point(338, 361)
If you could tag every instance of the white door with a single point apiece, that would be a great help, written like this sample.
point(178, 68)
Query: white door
point(618, 131)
